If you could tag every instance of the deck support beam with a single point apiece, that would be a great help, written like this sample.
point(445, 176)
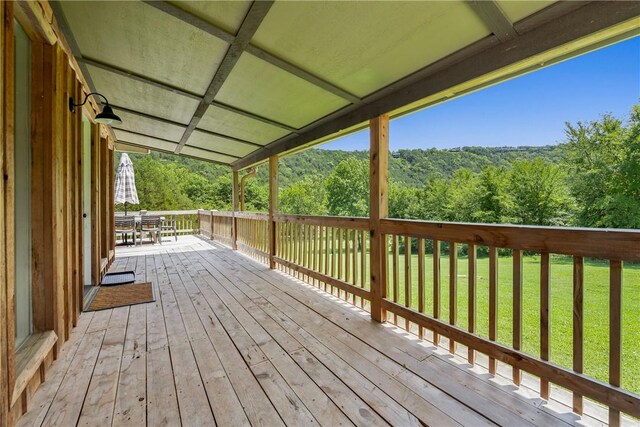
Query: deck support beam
point(234, 219)
point(273, 208)
point(379, 209)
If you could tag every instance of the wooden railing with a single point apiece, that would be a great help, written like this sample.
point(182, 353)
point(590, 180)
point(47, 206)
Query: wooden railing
point(253, 234)
point(329, 252)
point(428, 241)
point(425, 293)
point(187, 221)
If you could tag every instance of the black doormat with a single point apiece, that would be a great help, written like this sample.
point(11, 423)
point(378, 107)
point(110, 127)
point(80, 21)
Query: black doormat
point(120, 278)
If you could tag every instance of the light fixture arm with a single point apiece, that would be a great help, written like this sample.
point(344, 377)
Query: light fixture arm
point(72, 106)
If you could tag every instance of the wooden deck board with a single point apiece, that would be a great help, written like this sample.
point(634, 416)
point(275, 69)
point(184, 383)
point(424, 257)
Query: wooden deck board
point(230, 342)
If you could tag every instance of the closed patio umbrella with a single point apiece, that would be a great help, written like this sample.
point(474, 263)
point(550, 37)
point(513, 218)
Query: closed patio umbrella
point(126, 183)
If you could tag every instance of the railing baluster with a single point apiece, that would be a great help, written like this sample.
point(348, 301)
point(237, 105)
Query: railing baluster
point(615, 331)
point(396, 273)
point(544, 318)
point(453, 289)
point(326, 254)
point(421, 283)
point(354, 261)
point(314, 252)
point(339, 256)
point(517, 309)
point(347, 258)
point(407, 276)
point(578, 325)
point(363, 261)
point(436, 287)
point(471, 275)
point(493, 302)
point(333, 258)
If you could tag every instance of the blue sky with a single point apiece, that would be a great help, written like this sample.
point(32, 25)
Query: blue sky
point(529, 110)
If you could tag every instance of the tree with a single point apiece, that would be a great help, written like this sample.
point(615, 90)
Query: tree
point(348, 188)
point(435, 200)
point(539, 193)
point(603, 162)
point(404, 202)
point(494, 203)
point(306, 197)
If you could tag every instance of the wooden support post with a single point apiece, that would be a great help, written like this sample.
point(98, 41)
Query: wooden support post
point(378, 201)
point(273, 208)
point(234, 220)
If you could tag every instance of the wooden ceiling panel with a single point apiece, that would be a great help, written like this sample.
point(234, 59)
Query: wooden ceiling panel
point(227, 15)
point(142, 97)
point(151, 143)
point(148, 126)
point(220, 144)
point(228, 123)
point(137, 37)
point(206, 155)
point(516, 10)
point(364, 46)
point(263, 89)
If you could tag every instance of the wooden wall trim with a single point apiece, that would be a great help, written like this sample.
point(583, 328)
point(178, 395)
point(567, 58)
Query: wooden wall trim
point(4, 376)
point(9, 194)
point(95, 204)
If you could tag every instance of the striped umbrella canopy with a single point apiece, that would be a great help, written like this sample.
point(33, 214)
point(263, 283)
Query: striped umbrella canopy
point(126, 183)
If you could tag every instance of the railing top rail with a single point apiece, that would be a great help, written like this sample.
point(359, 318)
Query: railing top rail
point(623, 245)
point(252, 215)
point(183, 212)
point(356, 223)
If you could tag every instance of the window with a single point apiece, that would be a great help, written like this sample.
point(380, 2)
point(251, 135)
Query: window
point(23, 306)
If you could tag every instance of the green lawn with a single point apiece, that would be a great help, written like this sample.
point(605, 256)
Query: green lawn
point(596, 308)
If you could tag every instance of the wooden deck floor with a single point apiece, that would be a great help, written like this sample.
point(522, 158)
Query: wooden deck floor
point(232, 343)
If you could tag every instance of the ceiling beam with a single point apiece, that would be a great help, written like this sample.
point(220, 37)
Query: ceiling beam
point(493, 16)
point(253, 116)
point(230, 138)
point(191, 19)
point(174, 142)
point(218, 32)
point(257, 12)
point(182, 125)
point(139, 78)
point(469, 64)
point(302, 74)
point(179, 91)
point(147, 116)
point(171, 152)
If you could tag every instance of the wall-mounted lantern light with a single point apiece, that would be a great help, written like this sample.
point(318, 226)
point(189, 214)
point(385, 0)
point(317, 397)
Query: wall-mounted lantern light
point(106, 117)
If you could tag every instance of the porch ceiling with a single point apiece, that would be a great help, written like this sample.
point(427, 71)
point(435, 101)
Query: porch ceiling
point(234, 82)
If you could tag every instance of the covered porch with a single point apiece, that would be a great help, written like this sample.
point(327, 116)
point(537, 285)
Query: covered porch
point(231, 341)
point(327, 320)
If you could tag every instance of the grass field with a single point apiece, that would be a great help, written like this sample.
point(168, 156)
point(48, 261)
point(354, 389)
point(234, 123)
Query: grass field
point(596, 308)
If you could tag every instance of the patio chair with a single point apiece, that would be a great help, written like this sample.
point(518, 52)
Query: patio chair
point(151, 224)
point(125, 225)
point(169, 223)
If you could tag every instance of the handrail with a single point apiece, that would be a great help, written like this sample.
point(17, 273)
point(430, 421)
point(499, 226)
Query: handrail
point(137, 213)
point(623, 245)
point(357, 223)
point(260, 216)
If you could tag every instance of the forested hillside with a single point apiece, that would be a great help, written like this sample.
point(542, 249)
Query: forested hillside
point(592, 180)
